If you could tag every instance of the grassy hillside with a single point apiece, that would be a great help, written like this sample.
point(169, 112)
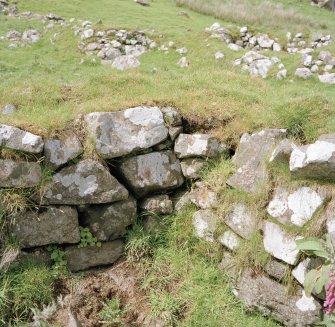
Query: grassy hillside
point(46, 80)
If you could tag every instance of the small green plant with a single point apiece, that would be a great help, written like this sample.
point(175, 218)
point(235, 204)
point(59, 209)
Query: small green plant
point(58, 256)
point(113, 312)
point(87, 238)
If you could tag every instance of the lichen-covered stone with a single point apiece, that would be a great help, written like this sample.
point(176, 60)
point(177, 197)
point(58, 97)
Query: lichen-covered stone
point(276, 269)
point(159, 204)
point(52, 225)
point(279, 243)
point(109, 221)
point(87, 182)
point(93, 256)
point(155, 171)
point(198, 145)
point(191, 167)
point(252, 175)
point(202, 197)
point(261, 293)
point(296, 207)
point(204, 222)
point(19, 174)
point(172, 116)
point(59, 151)
point(230, 240)
point(242, 220)
point(283, 151)
point(17, 139)
point(119, 133)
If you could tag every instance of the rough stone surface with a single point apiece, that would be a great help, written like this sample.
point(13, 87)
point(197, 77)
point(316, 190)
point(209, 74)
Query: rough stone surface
point(230, 240)
point(156, 171)
point(242, 221)
point(8, 109)
point(303, 73)
point(19, 174)
point(87, 182)
point(204, 222)
point(280, 244)
point(272, 299)
point(295, 207)
point(53, 225)
point(252, 175)
point(192, 167)
point(197, 145)
point(159, 204)
point(174, 132)
point(183, 62)
point(327, 78)
point(17, 139)
point(315, 160)
point(92, 256)
point(276, 269)
point(329, 217)
point(125, 62)
point(109, 221)
point(120, 133)
point(202, 197)
point(283, 151)
point(301, 270)
point(171, 116)
point(63, 149)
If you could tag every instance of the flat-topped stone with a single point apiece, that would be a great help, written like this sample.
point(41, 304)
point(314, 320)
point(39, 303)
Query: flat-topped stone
point(19, 174)
point(155, 171)
point(119, 133)
point(87, 182)
point(17, 139)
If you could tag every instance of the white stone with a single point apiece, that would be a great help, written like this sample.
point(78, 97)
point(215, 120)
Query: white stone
point(125, 62)
point(303, 73)
point(264, 41)
point(280, 244)
point(327, 78)
point(282, 74)
point(87, 34)
point(276, 47)
point(306, 303)
point(183, 62)
point(307, 60)
point(234, 47)
point(181, 50)
point(300, 271)
point(204, 222)
point(243, 29)
point(219, 55)
point(230, 240)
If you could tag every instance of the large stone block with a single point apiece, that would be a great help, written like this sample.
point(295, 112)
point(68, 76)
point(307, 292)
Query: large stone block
point(93, 256)
point(51, 225)
point(155, 171)
point(17, 139)
point(87, 182)
point(119, 133)
point(19, 174)
point(109, 221)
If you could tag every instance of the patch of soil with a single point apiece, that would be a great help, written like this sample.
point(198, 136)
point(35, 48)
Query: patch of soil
point(84, 298)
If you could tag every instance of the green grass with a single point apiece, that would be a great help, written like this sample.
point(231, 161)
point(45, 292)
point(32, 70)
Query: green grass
point(51, 88)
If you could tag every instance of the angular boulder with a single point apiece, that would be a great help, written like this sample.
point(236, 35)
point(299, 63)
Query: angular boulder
point(296, 207)
point(52, 225)
point(242, 221)
point(17, 139)
point(261, 293)
point(125, 62)
point(191, 167)
point(197, 145)
point(253, 151)
point(204, 222)
point(282, 152)
point(19, 174)
point(93, 256)
point(120, 133)
point(87, 182)
point(279, 243)
point(314, 161)
point(155, 171)
point(230, 240)
point(172, 117)
point(275, 269)
point(159, 204)
point(202, 197)
point(59, 151)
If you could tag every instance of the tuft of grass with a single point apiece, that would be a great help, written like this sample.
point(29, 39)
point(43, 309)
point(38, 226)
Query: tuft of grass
point(113, 313)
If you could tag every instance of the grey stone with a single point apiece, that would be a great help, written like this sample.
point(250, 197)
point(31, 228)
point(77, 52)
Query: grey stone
point(327, 78)
point(52, 225)
point(59, 151)
point(93, 256)
point(313, 161)
point(282, 74)
point(242, 221)
point(258, 292)
point(159, 204)
point(218, 55)
point(296, 207)
point(125, 62)
point(326, 57)
point(191, 167)
point(181, 50)
point(202, 197)
point(282, 152)
point(8, 109)
point(276, 269)
point(19, 174)
point(109, 221)
point(183, 62)
point(234, 47)
point(279, 243)
point(180, 200)
point(301, 270)
point(87, 182)
point(134, 50)
point(156, 171)
point(198, 145)
point(253, 150)
point(31, 36)
point(204, 222)
point(171, 116)
point(230, 240)
point(112, 53)
point(120, 133)
point(264, 41)
point(17, 139)
point(327, 138)
point(174, 132)
point(303, 73)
